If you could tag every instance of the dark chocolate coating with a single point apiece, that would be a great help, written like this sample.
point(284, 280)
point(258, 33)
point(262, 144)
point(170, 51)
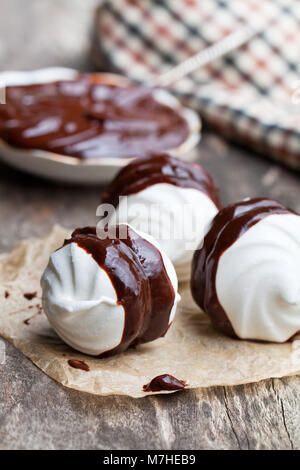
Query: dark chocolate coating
point(139, 277)
point(76, 364)
point(164, 382)
point(30, 295)
point(228, 225)
point(86, 119)
point(160, 168)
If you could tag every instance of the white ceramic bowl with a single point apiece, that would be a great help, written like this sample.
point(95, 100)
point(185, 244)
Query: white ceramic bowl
point(73, 170)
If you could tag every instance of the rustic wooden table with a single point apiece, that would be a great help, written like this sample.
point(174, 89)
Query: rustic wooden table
point(36, 412)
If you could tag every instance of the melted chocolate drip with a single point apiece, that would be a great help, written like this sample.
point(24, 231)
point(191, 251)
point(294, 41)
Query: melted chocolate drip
point(138, 274)
point(228, 225)
point(76, 364)
point(30, 295)
point(86, 119)
point(162, 168)
point(164, 382)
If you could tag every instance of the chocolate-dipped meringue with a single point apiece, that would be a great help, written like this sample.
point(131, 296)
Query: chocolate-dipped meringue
point(103, 295)
point(246, 275)
point(172, 200)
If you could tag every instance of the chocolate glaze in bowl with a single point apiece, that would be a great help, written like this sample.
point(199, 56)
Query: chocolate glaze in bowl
point(59, 166)
point(83, 119)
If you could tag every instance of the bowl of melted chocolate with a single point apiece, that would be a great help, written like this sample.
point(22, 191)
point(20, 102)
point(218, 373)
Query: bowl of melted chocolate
point(82, 127)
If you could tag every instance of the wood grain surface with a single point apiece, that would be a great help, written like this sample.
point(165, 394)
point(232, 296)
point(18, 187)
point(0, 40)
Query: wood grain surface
point(36, 412)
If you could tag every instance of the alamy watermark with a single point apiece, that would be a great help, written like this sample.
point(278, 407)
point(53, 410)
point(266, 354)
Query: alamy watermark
point(179, 224)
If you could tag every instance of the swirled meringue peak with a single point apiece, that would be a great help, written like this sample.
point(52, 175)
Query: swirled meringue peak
point(102, 295)
point(246, 276)
point(172, 200)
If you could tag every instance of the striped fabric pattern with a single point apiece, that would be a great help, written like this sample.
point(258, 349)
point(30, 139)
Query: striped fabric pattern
point(251, 96)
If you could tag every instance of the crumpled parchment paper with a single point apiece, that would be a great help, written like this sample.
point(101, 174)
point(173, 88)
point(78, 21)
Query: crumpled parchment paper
point(192, 350)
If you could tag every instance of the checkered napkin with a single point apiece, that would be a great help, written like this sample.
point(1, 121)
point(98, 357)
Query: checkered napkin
point(251, 95)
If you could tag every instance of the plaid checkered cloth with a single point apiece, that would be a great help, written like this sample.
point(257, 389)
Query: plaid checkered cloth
point(251, 95)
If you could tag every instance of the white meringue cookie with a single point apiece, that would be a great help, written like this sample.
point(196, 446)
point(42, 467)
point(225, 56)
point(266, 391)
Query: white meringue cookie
point(258, 280)
point(175, 216)
point(80, 300)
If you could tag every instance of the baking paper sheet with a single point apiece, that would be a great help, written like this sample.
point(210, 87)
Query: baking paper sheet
point(192, 350)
